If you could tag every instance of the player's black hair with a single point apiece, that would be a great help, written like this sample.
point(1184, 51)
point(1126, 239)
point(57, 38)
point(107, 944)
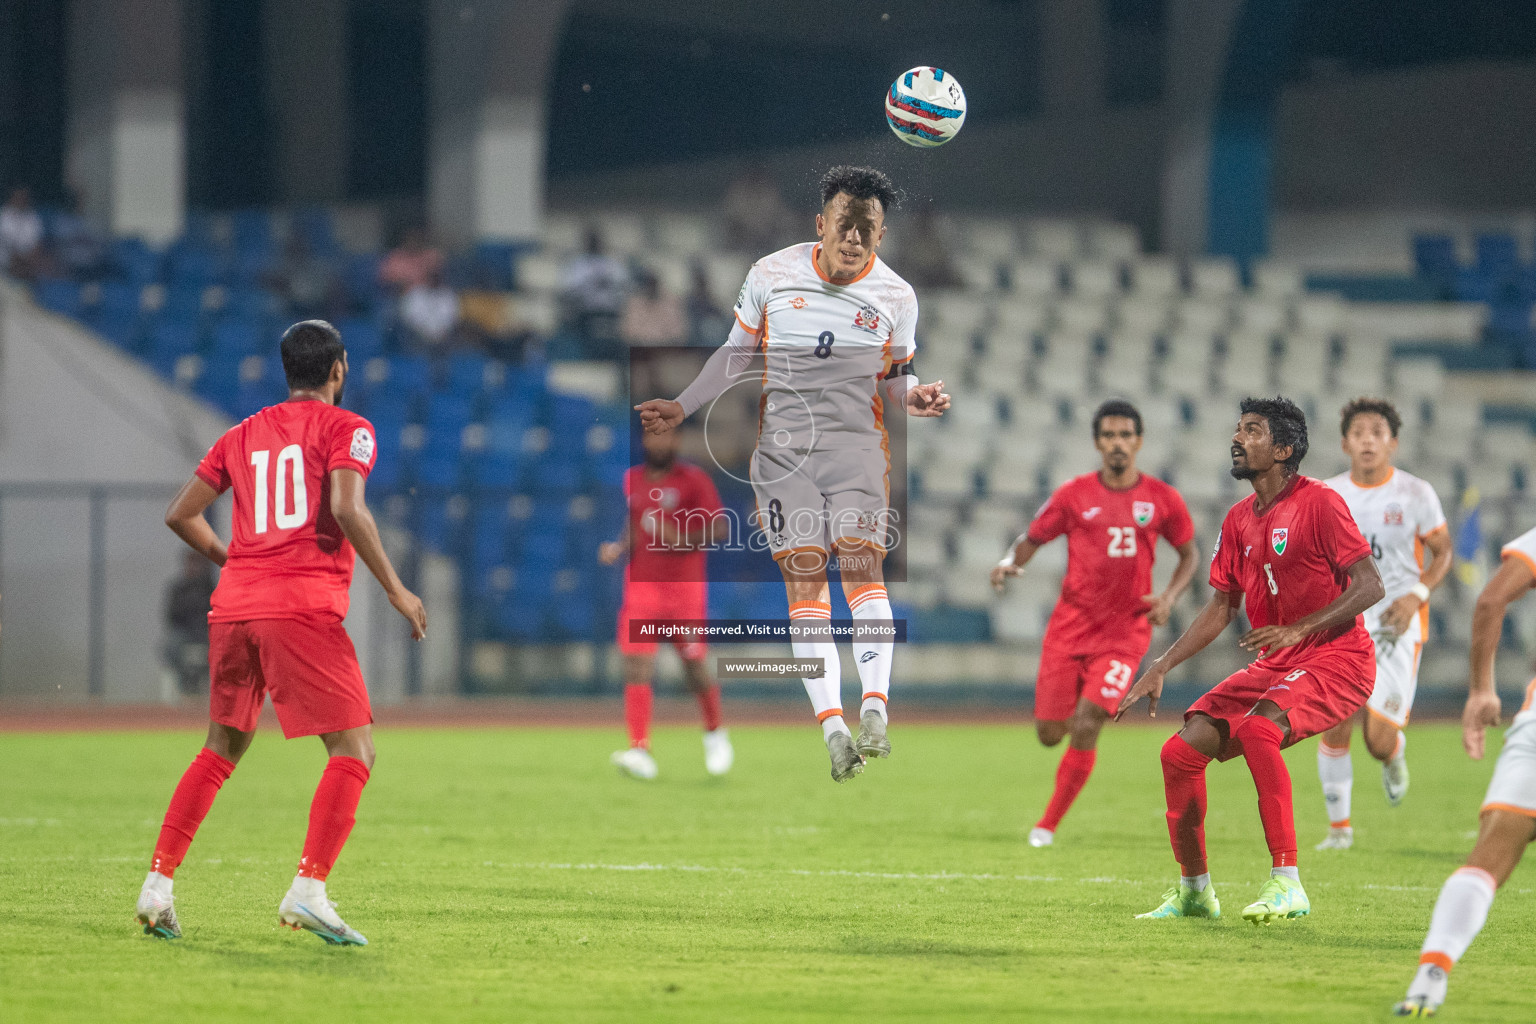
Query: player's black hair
point(1116, 407)
point(860, 183)
point(1380, 406)
point(1287, 425)
point(310, 348)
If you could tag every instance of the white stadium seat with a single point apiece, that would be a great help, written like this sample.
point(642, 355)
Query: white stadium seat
point(1110, 241)
point(1035, 276)
point(1081, 316)
point(1057, 239)
point(1138, 314)
point(625, 234)
point(1277, 280)
point(539, 272)
point(1094, 278)
point(1154, 276)
point(1215, 278)
point(1262, 314)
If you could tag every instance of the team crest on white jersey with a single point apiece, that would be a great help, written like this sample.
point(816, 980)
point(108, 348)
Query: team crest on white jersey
point(868, 317)
point(1393, 515)
point(1278, 538)
point(1141, 511)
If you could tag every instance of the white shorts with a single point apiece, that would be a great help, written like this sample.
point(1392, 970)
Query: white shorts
point(1513, 787)
point(1397, 672)
point(809, 501)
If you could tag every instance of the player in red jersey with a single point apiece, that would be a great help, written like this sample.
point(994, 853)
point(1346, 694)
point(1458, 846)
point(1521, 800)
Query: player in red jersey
point(674, 514)
point(1292, 556)
point(275, 628)
point(1103, 622)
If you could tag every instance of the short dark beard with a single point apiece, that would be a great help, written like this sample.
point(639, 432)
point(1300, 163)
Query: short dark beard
point(1244, 472)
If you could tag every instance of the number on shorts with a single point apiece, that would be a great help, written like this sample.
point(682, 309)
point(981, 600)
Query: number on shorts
point(776, 516)
point(824, 342)
point(1274, 588)
point(1119, 674)
point(293, 456)
point(1122, 542)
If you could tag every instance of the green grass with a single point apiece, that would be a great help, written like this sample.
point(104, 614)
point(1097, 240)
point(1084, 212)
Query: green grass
point(511, 875)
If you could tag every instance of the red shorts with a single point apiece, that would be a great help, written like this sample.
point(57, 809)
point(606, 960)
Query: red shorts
point(307, 665)
point(686, 599)
point(1063, 678)
point(1317, 693)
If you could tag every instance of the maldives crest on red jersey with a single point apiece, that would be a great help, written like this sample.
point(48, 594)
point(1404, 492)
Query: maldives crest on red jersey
point(1278, 538)
point(1141, 511)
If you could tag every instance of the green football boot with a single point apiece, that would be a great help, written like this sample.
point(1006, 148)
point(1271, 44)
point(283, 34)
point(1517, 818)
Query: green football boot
point(1280, 899)
point(1182, 901)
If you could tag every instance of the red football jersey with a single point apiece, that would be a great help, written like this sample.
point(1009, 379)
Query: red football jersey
point(687, 497)
point(288, 558)
point(1291, 560)
point(1111, 544)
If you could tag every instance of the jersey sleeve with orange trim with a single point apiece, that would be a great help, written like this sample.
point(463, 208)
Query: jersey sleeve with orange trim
point(904, 329)
point(751, 301)
point(1428, 514)
point(1523, 547)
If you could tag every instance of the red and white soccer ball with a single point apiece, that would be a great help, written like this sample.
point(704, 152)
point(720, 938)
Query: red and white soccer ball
point(925, 107)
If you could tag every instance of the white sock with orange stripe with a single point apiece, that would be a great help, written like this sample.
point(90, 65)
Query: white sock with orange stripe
point(1459, 915)
point(871, 602)
point(1337, 773)
point(826, 690)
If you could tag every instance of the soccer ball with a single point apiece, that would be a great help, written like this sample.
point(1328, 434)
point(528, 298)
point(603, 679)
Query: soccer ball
point(925, 107)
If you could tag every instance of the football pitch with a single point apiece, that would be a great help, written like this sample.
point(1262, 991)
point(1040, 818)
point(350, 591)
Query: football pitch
point(511, 874)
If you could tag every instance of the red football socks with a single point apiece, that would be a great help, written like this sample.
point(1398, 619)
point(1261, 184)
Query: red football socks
point(1073, 771)
point(1184, 784)
point(637, 713)
point(332, 814)
point(189, 806)
point(1261, 741)
point(709, 703)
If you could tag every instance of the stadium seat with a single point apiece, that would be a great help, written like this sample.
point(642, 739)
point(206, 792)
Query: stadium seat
point(1498, 256)
point(234, 338)
point(61, 297)
point(1434, 256)
point(1036, 277)
point(362, 337)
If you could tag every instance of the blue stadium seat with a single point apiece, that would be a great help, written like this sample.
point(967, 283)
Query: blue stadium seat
point(220, 385)
point(435, 526)
point(490, 535)
point(60, 296)
point(362, 337)
point(253, 304)
point(361, 280)
point(1434, 256)
point(169, 340)
point(1498, 256)
point(252, 229)
point(140, 265)
point(236, 337)
point(192, 266)
point(493, 264)
point(313, 224)
point(571, 415)
point(183, 302)
point(465, 374)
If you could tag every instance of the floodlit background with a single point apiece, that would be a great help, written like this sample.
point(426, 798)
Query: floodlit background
point(1174, 201)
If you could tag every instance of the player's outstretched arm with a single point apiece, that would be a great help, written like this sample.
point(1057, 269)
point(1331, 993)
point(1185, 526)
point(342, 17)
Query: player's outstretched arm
point(1213, 618)
point(613, 551)
point(1013, 562)
point(1365, 589)
point(185, 518)
point(720, 370)
point(352, 515)
point(1160, 606)
point(1512, 581)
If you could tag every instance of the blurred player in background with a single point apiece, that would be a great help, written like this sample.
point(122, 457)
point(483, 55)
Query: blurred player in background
point(674, 514)
point(1400, 516)
point(1507, 823)
point(1103, 622)
point(1293, 558)
point(298, 470)
point(837, 330)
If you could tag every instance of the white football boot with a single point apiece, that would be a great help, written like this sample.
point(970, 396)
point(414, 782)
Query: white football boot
point(1338, 838)
point(636, 762)
point(718, 753)
point(306, 906)
point(157, 910)
point(1394, 779)
point(1039, 837)
point(1425, 993)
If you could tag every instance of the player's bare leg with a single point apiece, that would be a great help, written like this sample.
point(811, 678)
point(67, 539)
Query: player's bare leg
point(190, 804)
point(636, 760)
point(1336, 772)
point(718, 753)
point(810, 604)
point(1076, 765)
point(859, 564)
point(1462, 908)
point(332, 814)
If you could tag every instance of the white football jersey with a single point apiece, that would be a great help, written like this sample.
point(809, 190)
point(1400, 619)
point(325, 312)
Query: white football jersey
point(1394, 516)
point(827, 345)
point(1523, 547)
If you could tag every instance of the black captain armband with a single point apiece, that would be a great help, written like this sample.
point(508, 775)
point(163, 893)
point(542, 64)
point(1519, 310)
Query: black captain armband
point(900, 369)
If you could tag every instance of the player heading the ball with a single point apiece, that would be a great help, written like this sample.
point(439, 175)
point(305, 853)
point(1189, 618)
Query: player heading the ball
point(836, 330)
point(1102, 624)
point(275, 629)
point(1292, 557)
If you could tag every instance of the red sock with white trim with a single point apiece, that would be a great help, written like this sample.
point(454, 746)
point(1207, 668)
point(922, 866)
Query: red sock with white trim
point(1261, 741)
point(638, 699)
point(332, 814)
point(1071, 774)
point(190, 804)
point(871, 603)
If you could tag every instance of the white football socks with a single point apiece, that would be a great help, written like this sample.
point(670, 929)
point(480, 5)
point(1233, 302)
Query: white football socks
point(1459, 915)
point(871, 602)
point(825, 690)
point(1337, 773)
point(306, 888)
point(159, 883)
point(1292, 872)
point(1195, 882)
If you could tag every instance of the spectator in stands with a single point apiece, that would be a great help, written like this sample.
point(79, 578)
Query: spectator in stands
point(430, 313)
point(308, 283)
point(926, 259)
point(592, 291)
point(485, 318)
point(78, 250)
point(21, 236)
point(755, 215)
point(652, 315)
point(410, 263)
point(707, 322)
point(187, 601)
